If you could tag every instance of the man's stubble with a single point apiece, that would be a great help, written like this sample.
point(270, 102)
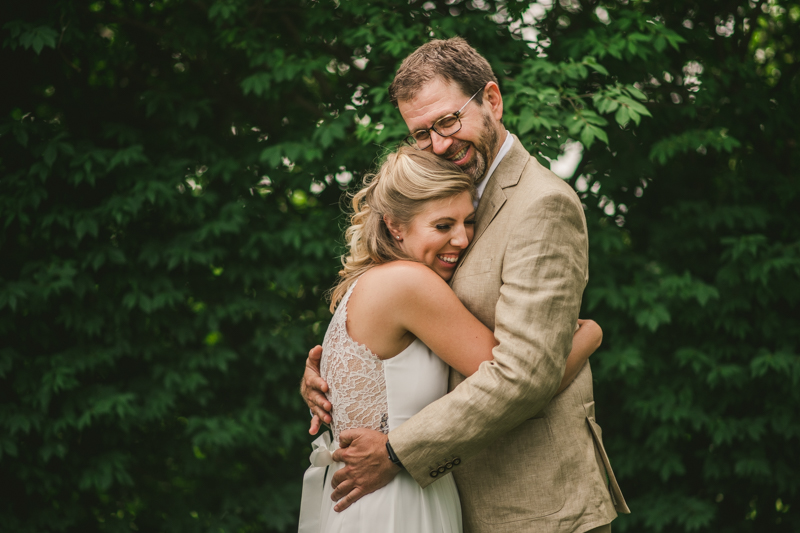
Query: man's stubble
point(484, 148)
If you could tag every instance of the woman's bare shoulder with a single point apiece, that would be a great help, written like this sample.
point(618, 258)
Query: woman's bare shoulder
point(400, 279)
point(384, 299)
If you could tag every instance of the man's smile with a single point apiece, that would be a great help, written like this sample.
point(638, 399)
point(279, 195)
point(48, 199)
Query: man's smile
point(459, 156)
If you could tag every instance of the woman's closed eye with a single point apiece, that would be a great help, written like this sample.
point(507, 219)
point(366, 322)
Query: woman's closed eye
point(447, 227)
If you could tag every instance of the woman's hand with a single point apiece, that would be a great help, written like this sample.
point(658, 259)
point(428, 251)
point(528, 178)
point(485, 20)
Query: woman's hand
point(585, 341)
point(593, 330)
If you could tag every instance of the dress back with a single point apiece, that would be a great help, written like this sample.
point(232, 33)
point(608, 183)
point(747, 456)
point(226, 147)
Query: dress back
point(367, 392)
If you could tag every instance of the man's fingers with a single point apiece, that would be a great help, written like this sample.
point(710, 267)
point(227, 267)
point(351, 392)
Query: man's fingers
point(346, 438)
point(339, 477)
point(313, 429)
point(315, 384)
point(339, 457)
point(324, 416)
point(314, 398)
point(315, 354)
point(351, 498)
point(320, 406)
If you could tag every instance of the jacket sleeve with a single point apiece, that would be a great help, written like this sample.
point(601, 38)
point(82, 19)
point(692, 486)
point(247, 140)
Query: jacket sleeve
point(544, 272)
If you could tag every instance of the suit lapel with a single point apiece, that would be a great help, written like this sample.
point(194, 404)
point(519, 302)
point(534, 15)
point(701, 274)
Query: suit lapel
point(506, 175)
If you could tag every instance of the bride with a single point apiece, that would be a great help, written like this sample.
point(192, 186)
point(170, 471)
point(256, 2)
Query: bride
point(397, 326)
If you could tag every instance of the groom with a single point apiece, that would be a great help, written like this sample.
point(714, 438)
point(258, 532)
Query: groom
point(523, 460)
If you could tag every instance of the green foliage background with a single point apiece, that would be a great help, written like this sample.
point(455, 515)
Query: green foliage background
point(170, 184)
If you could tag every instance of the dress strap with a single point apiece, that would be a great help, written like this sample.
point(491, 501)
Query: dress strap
point(346, 297)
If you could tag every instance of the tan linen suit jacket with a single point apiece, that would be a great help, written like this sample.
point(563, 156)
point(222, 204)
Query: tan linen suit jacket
point(523, 459)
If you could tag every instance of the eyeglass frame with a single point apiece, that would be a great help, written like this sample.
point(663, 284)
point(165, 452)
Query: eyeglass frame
point(410, 137)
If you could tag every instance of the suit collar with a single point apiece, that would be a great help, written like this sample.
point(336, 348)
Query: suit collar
point(510, 169)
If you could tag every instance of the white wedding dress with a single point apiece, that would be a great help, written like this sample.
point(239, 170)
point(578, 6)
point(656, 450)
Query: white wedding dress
point(369, 393)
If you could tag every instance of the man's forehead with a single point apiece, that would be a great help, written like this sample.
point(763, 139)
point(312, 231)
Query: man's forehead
point(434, 99)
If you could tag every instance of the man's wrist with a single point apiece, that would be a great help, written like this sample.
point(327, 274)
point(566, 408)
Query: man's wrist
point(393, 456)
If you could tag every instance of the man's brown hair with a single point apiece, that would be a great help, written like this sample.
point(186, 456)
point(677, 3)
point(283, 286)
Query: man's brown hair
point(452, 60)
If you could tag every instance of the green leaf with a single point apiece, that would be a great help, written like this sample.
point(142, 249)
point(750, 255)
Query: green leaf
point(526, 121)
point(50, 153)
point(39, 37)
point(21, 134)
point(594, 65)
point(636, 93)
point(622, 116)
point(587, 136)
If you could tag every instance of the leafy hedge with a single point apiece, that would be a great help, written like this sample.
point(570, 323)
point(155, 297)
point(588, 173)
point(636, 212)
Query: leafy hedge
point(170, 185)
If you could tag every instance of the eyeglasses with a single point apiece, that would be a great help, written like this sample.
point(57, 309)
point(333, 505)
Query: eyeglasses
point(446, 126)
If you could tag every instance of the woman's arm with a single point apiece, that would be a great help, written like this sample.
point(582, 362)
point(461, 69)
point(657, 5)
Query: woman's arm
point(424, 305)
point(586, 340)
point(402, 300)
point(410, 297)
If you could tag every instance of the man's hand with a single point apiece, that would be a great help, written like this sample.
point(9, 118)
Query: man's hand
point(313, 389)
point(367, 469)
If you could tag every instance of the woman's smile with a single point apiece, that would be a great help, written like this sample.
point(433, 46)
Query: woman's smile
point(440, 233)
point(450, 259)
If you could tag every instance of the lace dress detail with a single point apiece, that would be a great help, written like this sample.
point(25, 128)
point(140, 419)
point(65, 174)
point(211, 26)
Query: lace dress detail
point(355, 377)
point(369, 393)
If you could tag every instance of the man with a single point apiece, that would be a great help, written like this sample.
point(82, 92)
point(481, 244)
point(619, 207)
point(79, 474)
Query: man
point(523, 460)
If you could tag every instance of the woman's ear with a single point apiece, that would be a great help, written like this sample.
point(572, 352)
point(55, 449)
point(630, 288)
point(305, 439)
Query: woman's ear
point(394, 228)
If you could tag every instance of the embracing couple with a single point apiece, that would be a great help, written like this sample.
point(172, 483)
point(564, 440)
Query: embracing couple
point(463, 203)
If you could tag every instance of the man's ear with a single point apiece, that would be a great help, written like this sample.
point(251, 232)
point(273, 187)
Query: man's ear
point(394, 228)
point(493, 99)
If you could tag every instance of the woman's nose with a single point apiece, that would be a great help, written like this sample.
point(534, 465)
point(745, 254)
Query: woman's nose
point(460, 238)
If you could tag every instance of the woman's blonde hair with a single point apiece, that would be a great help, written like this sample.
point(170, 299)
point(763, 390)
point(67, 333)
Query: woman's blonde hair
point(404, 183)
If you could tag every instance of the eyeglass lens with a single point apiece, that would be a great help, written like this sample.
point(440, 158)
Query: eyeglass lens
point(445, 127)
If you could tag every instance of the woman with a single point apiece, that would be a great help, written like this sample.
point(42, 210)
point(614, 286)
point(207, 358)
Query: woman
point(396, 328)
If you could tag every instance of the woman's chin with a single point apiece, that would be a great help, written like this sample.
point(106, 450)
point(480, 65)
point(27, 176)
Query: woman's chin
point(444, 274)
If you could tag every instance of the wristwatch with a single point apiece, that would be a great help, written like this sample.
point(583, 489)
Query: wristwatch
point(393, 456)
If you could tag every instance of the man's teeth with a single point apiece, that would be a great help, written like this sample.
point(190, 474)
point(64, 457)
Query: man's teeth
point(448, 259)
point(460, 155)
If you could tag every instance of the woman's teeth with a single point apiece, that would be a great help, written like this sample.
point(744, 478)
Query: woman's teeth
point(451, 260)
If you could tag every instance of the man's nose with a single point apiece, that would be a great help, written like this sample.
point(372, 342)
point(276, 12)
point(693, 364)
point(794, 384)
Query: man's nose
point(440, 144)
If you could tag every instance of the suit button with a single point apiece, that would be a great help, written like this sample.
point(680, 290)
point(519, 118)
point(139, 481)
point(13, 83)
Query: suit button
point(442, 469)
point(434, 473)
point(449, 466)
point(457, 461)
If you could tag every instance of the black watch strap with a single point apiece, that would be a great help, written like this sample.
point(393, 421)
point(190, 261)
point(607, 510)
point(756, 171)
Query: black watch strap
point(393, 456)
